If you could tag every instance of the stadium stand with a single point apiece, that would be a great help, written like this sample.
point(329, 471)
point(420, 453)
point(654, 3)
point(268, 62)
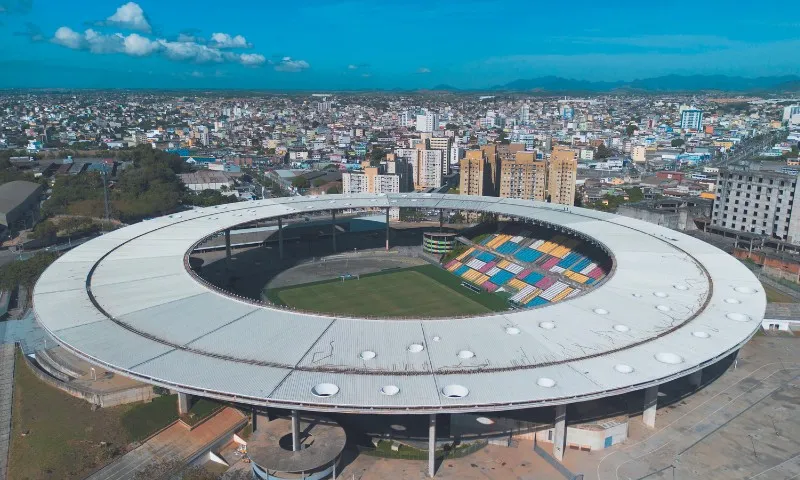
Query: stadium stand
point(535, 267)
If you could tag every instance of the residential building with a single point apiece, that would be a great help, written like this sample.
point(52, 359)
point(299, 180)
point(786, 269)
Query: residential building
point(692, 119)
point(561, 175)
point(427, 168)
point(755, 200)
point(477, 172)
point(523, 177)
point(443, 144)
point(639, 154)
point(370, 181)
point(427, 122)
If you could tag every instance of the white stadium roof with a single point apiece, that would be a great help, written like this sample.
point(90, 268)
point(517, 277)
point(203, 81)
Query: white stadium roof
point(671, 305)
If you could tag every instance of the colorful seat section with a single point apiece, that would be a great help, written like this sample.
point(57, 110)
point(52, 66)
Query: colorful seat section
point(536, 268)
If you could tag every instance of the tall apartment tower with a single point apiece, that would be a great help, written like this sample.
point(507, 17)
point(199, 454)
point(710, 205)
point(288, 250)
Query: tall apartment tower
point(691, 119)
point(757, 201)
point(427, 122)
point(443, 144)
point(561, 175)
point(370, 181)
point(427, 168)
point(523, 177)
point(479, 171)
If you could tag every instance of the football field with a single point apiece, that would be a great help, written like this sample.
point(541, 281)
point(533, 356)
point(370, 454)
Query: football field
point(425, 291)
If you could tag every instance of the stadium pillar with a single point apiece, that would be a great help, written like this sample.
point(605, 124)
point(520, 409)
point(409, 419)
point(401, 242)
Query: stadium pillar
point(432, 445)
point(650, 406)
point(333, 223)
point(280, 237)
point(228, 244)
point(441, 219)
point(696, 378)
point(295, 431)
point(560, 434)
point(387, 229)
point(184, 402)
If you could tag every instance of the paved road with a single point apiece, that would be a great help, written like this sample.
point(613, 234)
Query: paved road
point(6, 390)
point(743, 426)
point(174, 443)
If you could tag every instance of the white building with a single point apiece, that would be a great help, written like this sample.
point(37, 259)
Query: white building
point(427, 171)
point(758, 201)
point(691, 119)
point(427, 122)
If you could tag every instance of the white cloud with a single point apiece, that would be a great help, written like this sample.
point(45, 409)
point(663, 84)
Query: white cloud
point(139, 46)
point(252, 59)
point(130, 16)
point(68, 37)
point(424, 70)
point(97, 42)
point(352, 67)
point(288, 65)
point(191, 52)
point(224, 40)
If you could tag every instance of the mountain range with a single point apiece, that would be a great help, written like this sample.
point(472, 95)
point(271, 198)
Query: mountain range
point(667, 83)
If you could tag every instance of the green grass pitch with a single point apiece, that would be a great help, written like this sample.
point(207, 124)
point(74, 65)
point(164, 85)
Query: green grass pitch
point(426, 291)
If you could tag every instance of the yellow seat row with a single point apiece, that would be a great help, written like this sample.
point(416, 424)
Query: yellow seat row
point(498, 240)
point(517, 284)
point(530, 297)
point(560, 251)
point(471, 274)
point(562, 295)
point(465, 254)
point(578, 277)
point(454, 266)
point(546, 247)
point(503, 263)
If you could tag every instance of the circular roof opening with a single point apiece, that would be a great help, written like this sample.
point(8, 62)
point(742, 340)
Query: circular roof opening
point(465, 354)
point(747, 290)
point(415, 348)
point(437, 338)
point(622, 368)
point(455, 391)
point(669, 358)
point(680, 287)
point(512, 330)
point(738, 317)
point(367, 355)
point(663, 308)
point(701, 334)
point(601, 311)
point(398, 428)
point(484, 421)
point(661, 294)
point(390, 390)
point(621, 328)
point(546, 382)
point(547, 325)
point(733, 301)
point(324, 390)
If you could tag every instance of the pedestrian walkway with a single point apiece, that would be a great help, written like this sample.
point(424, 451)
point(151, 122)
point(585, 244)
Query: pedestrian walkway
point(176, 442)
point(6, 397)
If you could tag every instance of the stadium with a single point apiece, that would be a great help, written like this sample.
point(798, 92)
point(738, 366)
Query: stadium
point(539, 317)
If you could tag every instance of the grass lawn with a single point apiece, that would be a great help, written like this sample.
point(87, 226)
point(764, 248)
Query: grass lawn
point(145, 418)
point(426, 291)
point(62, 434)
point(776, 296)
point(201, 409)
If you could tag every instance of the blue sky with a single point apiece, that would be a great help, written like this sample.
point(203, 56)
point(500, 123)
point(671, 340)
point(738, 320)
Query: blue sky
point(328, 44)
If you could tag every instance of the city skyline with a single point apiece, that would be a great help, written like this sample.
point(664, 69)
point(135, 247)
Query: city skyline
point(91, 44)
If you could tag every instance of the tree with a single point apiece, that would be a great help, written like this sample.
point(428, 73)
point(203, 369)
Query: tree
point(603, 152)
point(45, 231)
point(300, 182)
point(332, 190)
point(677, 142)
point(376, 156)
point(631, 129)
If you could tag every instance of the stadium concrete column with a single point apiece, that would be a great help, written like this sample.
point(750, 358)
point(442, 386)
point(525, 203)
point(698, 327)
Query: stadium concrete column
point(441, 219)
point(333, 223)
point(184, 402)
point(696, 378)
point(295, 431)
point(432, 445)
point(280, 237)
point(228, 244)
point(387, 229)
point(560, 433)
point(650, 406)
